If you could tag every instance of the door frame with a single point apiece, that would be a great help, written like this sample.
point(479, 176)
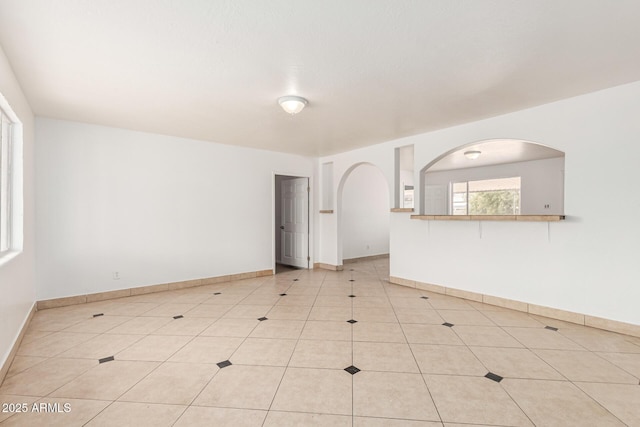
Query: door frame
point(274, 234)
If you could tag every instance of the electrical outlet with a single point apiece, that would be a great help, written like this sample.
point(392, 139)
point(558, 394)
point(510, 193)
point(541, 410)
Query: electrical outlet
point(547, 206)
point(116, 275)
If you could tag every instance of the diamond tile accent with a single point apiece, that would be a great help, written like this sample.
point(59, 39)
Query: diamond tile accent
point(262, 318)
point(352, 296)
point(352, 280)
point(274, 364)
point(283, 295)
point(447, 324)
point(494, 377)
point(224, 364)
point(295, 280)
point(352, 370)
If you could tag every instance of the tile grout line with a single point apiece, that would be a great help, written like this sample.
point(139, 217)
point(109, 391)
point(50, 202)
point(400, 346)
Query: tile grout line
point(140, 380)
point(286, 368)
point(190, 404)
point(637, 377)
point(596, 401)
point(395, 310)
point(353, 397)
point(538, 356)
point(424, 381)
point(566, 379)
point(488, 370)
point(229, 357)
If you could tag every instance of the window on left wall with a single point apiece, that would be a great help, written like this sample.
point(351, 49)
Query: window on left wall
point(6, 175)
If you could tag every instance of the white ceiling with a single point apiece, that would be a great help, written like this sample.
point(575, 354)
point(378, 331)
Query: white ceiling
point(372, 70)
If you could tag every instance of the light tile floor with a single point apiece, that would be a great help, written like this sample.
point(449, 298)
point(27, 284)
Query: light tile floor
point(289, 338)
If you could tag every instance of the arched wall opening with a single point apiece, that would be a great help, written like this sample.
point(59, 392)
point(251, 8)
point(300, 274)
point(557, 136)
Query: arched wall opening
point(494, 177)
point(363, 213)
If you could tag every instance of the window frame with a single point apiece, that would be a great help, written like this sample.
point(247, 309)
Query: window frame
point(6, 164)
point(11, 183)
point(467, 195)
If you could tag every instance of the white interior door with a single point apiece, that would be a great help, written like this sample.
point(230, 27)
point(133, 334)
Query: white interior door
point(294, 230)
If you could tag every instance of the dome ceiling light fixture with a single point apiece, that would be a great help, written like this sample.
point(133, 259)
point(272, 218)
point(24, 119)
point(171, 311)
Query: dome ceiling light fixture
point(292, 104)
point(472, 154)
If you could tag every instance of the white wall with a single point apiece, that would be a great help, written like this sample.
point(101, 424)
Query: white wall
point(154, 208)
point(542, 182)
point(586, 264)
point(17, 279)
point(326, 183)
point(365, 213)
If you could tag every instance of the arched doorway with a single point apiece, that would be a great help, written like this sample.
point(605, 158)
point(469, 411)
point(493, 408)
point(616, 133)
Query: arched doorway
point(363, 213)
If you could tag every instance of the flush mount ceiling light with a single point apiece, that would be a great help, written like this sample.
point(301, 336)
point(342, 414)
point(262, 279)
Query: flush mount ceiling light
point(292, 104)
point(472, 154)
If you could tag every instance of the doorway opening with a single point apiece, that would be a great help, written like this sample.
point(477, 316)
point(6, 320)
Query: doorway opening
point(291, 225)
point(363, 214)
